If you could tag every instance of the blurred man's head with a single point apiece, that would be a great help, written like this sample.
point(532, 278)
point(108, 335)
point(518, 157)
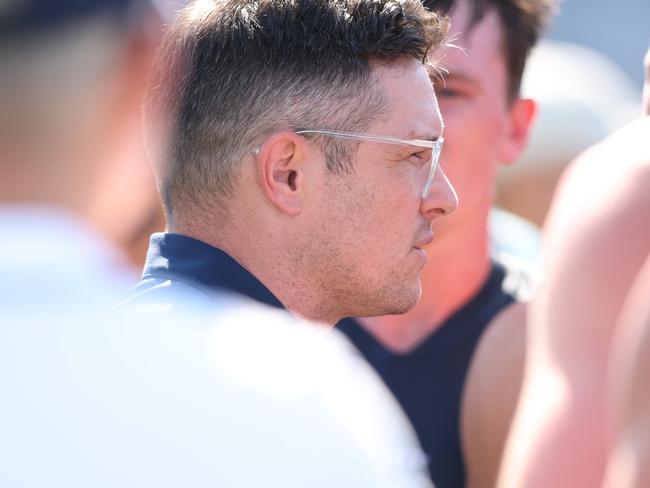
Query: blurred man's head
point(72, 75)
point(237, 83)
point(486, 121)
point(520, 25)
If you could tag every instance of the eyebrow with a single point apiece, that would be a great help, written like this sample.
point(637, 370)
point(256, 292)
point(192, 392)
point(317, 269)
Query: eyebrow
point(412, 136)
point(429, 136)
point(459, 76)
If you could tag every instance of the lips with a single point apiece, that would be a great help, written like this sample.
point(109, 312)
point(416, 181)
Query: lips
point(424, 240)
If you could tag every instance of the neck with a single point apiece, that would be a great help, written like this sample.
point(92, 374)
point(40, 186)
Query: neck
point(265, 254)
point(456, 271)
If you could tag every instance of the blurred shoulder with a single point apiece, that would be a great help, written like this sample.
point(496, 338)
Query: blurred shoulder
point(624, 151)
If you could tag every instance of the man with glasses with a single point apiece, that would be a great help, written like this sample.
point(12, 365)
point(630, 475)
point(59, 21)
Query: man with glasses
point(299, 165)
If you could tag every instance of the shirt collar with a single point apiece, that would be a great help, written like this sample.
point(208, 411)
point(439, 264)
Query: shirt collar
point(184, 258)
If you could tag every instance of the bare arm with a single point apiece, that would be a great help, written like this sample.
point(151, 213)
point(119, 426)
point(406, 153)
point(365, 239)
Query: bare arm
point(597, 237)
point(491, 393)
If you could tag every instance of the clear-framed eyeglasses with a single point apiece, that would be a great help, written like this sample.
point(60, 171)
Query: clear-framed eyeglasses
point(435, 146)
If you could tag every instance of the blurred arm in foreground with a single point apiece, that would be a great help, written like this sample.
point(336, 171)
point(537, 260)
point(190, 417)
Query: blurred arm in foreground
point(597, 238)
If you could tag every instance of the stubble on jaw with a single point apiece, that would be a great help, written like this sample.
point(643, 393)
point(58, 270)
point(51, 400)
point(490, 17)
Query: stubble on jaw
point(350, 284)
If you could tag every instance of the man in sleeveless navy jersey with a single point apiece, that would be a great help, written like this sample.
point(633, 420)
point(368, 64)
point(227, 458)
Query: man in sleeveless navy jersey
point(468, 318)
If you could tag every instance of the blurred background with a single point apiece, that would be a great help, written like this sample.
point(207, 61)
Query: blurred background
point(619, 30)
point(587, 76)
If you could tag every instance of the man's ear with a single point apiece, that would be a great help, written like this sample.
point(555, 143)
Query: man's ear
point(280, 171)
point(521, 116)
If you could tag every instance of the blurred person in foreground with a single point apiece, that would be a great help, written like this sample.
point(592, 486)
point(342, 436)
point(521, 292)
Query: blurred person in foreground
point(628, 463)
point(629, 455)
point(301, 168)
point(468, 314)
point(573, 116)
point(596, 239)
point(92, 396)
point(125, 202)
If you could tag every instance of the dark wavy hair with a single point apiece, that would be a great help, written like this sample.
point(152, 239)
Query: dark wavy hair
point(522, 22)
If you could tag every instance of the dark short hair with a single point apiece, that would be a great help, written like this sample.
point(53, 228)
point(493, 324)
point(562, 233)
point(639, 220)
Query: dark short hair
point(522, 22)
point(231, 72)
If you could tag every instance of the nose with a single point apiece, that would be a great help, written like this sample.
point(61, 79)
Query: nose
point(442, 198)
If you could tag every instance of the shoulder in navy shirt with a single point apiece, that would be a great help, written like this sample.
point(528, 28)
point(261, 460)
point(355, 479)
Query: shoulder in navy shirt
point(181, 268)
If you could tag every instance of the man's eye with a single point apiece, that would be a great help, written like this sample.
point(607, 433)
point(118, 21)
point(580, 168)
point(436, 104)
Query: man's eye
point(421, 157)
point(447, 92)
point(450, 90)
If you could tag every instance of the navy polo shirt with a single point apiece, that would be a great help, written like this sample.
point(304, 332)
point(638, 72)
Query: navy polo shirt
point(178, 260)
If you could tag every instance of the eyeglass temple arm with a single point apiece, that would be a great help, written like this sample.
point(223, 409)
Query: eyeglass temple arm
point(366, 137)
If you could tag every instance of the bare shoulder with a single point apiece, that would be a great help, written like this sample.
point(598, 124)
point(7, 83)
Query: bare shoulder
point(500, 354)
point(502, 333)
point(597, 232)
point(619, 166)
point(491, 393)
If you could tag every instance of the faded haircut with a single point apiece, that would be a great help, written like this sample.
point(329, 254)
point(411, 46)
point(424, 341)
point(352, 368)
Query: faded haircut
point(232, 72)
point(522, 22)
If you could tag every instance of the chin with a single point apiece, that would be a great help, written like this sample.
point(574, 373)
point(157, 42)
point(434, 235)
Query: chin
point(405, 299)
